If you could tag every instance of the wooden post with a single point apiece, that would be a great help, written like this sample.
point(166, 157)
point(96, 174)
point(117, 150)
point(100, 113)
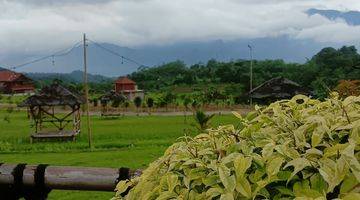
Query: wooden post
point(251, 73)
point(87, 95)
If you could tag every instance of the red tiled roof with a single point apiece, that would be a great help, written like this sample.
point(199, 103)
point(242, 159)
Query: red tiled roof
point(8, 76)
point(22, 87)
point(125, 80)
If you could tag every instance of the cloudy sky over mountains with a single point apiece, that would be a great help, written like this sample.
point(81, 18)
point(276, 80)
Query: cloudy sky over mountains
point(40, 25)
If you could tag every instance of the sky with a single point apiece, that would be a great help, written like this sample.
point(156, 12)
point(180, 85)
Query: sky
point(41, 25)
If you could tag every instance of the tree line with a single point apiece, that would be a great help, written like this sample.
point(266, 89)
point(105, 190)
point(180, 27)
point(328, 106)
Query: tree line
point(321, 73)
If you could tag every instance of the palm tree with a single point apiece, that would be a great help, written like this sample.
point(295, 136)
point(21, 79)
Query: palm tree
point(202, 120)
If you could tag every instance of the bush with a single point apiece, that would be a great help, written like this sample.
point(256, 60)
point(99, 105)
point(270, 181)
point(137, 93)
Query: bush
point(115, 103)
point(347, 88)
point(95, 102)
point(150, 102)
point(299, 148)
point(137, 102)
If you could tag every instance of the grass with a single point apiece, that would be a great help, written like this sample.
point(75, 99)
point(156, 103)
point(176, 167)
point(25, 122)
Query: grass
point(12, 99)
point(124, 142)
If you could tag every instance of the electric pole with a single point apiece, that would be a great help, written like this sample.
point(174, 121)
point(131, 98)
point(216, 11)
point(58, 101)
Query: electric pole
point(86, 90)
point(251, 73)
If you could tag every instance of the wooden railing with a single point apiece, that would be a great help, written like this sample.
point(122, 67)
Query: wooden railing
point(21, 180)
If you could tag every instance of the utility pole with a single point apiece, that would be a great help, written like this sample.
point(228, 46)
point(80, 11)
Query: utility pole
point(86, 90)
point(251, 72)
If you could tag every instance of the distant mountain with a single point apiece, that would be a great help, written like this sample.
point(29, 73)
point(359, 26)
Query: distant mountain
point(105, 63)
point(351, 17)
point(75, 76)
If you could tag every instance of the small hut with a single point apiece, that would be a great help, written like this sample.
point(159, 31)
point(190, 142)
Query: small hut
point(276, 89)
point(48, 121)
point(115, 99)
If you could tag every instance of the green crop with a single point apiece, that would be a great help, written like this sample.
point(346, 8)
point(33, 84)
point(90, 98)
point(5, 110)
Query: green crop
point(293, 149)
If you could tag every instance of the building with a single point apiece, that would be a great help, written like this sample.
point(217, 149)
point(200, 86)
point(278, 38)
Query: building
point(15, 83)
point(128, 88)
point(276, 89)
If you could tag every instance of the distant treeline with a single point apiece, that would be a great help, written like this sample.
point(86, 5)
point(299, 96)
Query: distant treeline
point(321, 73)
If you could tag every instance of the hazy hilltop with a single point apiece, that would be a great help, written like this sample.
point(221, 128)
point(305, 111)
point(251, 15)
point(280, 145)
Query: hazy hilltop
point(75, 77)
point(101, 62)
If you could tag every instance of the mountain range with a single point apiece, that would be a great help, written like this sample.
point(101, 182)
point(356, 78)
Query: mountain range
point(105, 63)
point(351, 17)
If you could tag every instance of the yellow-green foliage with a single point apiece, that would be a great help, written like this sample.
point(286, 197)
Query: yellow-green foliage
point(293, 149)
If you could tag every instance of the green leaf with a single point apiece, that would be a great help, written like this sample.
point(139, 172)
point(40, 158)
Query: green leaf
point(268, 150)
point(227, 196)
point(318, 183)
point(285, 191)
point(211, 180)
point(237, 115)
point(351, 196)
point(334, 150)
point(172, 181)
point(318, 133)
point(298, 164)
point(243, 186)
point(241, 164)
point(350, 184)
point(214, 192)
point(302, 189)
point(333, 172)
point(227, 180)
point(273, 166)
point(166, 195)
point(349, 156)
point(122, 186)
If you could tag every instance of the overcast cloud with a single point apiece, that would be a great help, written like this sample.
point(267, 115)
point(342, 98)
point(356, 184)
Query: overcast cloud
point(39, 25)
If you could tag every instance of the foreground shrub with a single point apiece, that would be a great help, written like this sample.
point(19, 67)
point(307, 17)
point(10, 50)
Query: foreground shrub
point(299, 148)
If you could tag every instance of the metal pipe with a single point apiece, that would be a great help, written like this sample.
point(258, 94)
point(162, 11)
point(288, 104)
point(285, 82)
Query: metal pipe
point(69, 178)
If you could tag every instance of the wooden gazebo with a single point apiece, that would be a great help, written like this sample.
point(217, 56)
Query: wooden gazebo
point(52, 111)
point(276, 89)
point(111, 97)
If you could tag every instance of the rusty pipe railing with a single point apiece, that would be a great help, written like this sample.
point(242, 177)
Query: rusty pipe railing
point(18, 176)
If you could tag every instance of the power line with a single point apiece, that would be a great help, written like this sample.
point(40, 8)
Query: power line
point(56, 54)
point(67, 51)
point(117, 54)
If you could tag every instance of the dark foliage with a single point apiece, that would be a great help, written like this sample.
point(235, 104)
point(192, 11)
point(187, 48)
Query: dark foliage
point(321, 73)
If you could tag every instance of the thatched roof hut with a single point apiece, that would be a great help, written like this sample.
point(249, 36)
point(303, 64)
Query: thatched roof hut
point(277, 88)
point(41, 109)
point(53, 95)
point(112, 96)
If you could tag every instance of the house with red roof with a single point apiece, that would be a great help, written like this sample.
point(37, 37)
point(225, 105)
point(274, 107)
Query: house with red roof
point(128, 87)
point(15, 83)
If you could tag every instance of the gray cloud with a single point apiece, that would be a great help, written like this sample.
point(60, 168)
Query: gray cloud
point(57, 2)
point(31, 26)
